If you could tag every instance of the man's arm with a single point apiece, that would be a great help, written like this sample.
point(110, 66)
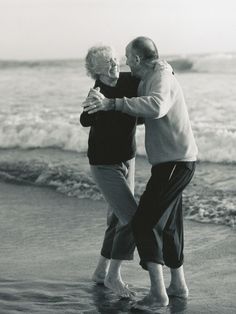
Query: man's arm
point(97, 102)
point(155, 105)
point(157, 102)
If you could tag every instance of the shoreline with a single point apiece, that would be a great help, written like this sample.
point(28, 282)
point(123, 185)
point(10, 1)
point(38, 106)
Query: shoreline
point(210, 197)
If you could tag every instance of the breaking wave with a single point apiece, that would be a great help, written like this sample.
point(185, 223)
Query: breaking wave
point(214, 63)
point(215, 144)
point(64, 178)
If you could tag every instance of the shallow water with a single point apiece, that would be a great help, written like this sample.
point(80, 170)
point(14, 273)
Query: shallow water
point(50, 244)
point(68, 297)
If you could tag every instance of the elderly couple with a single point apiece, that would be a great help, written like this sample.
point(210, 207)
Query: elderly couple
point(112, 110)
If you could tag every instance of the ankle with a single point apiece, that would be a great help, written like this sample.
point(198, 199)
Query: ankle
point(178, 291)
point(159, 297)
point(158, 292)
point(111, 276)
point(178, 283)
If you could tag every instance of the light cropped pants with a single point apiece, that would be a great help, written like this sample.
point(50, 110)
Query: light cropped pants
point(116, 182)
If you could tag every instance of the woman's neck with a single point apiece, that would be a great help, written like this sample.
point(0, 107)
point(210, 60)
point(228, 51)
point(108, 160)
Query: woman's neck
point(108, 80)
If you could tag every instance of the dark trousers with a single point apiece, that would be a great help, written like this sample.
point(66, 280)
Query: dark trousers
point(158, 222)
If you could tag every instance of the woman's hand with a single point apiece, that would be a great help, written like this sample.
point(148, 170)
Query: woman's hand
point(95, 93)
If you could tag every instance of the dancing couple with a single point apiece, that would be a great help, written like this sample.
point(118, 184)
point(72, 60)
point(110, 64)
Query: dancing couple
point(149, 94)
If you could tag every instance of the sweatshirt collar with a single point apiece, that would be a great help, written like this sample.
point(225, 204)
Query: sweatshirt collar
point(163, 65)
point(160, 65)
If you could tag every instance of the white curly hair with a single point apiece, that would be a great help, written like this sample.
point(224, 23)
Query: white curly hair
point(91, 59)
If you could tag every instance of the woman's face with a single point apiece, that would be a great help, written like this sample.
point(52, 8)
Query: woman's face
point(107, 65)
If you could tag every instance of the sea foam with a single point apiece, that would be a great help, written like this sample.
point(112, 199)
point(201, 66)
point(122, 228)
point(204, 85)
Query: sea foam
point(215, 145)
point(210, 197)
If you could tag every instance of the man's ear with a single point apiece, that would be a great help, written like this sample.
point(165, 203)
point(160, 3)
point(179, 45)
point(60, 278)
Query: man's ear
point(137, 59)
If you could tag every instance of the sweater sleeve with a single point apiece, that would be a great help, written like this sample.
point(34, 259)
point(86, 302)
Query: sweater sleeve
point(87, 119)
point(156, 104)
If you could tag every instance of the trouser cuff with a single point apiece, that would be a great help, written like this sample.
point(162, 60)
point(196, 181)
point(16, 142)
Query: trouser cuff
point(174, 265)
point(117, 257)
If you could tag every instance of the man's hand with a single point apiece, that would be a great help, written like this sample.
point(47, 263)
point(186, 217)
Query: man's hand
point(97, 102)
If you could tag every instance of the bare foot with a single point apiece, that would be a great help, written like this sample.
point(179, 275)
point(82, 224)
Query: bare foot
point(179, 292)
point(99, 277)
point(120, 288)
point(151, 302)
point(101, 270)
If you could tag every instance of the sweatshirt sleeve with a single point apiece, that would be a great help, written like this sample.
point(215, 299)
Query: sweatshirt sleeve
point(156, 104)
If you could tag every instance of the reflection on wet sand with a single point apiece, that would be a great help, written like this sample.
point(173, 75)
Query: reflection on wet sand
point(106, 302)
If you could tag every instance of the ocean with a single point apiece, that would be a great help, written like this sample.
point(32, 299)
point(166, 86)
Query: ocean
point(52, 216)
point(40, 106)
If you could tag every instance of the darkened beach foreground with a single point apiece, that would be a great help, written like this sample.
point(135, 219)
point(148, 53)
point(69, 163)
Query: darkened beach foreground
point(50, 242)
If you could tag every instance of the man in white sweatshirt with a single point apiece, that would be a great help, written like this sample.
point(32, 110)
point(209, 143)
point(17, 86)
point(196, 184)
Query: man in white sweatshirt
point(172, 152)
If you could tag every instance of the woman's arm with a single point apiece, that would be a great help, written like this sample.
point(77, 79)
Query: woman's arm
point(87, 119)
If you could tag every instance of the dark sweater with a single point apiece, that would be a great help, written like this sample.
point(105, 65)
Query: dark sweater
point(112, 133)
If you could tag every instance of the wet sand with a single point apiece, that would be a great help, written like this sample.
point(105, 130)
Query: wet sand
point(50, 244)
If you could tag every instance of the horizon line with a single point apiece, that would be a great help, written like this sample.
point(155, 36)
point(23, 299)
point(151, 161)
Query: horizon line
point(82, 58)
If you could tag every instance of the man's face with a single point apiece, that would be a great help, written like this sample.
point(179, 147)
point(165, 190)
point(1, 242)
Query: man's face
point(131, 60)
point(107, 65)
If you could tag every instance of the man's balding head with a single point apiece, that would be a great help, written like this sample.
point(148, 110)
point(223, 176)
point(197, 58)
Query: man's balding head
point(145, 48)
point(141, 55)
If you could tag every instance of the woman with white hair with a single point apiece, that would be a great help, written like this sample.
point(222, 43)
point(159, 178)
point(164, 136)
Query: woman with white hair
point(111, 153)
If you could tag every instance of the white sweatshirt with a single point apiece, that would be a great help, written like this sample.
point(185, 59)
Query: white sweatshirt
point(168, 135)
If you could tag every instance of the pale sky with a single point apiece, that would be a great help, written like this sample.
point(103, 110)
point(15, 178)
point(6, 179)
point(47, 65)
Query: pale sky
point(39, 29)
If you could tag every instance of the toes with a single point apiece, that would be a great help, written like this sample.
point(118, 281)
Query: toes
point(136, 306)
point(120, 288)
point(124, 293)
point(130, 291)
point(149, 302)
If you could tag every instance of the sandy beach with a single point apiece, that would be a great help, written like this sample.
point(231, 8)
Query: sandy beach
point(49, 248)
